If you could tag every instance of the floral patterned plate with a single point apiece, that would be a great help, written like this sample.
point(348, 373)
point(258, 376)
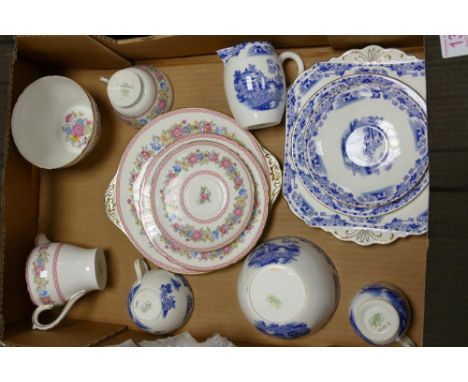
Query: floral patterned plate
point(148, 142)
point(199, 194)
point(412, 218)
point(405, 141)
point(228, 254)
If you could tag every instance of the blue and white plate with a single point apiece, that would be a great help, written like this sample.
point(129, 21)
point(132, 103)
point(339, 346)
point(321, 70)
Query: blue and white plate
point(368, 156)
point(410, 219)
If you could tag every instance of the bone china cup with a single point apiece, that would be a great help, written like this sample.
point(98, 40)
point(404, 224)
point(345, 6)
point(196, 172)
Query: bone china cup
point(159, 301)
point(255, 84)
point(139, 94)
point(55, 122)
point(288, 287)
point(60, 274)
point(380, 314)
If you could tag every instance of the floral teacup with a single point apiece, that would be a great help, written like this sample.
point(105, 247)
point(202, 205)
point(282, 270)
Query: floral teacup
point(139, 94)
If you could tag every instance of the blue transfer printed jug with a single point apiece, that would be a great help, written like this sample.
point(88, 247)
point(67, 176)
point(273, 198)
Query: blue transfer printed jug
point(255, 83)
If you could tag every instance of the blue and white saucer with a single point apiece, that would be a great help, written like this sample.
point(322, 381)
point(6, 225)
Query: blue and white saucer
point(358, 164)
point(411, 218)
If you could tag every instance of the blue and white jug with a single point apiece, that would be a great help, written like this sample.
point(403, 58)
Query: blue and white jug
point(255, 84)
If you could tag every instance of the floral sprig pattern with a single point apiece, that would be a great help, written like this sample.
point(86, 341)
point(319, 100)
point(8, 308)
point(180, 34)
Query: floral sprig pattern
point(77, 129)
point(204, 157)
point(168, 301)
point(204, 195)
point(39, 266)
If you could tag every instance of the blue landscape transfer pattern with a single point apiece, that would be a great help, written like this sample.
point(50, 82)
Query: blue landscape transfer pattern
point(301, 206)
point(287, 331)
point(375, 89)
point(257, 48)
point(258, 91)
point(373, 140)
point(274, 252)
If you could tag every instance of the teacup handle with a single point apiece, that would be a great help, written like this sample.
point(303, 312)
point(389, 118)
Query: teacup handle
point(293, 56)
point(140, 268)
point(41, 308)
point(406, 341)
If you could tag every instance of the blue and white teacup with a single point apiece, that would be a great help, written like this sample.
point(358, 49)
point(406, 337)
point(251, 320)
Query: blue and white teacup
point(255, 84)
point(380, 314)
point(159, 302)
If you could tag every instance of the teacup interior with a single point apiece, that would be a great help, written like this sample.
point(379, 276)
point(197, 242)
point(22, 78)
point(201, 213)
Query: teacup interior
point(52, 122)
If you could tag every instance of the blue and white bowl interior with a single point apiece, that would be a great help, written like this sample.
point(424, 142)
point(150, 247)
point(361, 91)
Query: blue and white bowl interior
point(288, 287)
point(379, 314)
point(161, 303)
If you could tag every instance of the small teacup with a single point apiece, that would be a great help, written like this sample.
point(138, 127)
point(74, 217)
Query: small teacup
point(139, 94)
point(159, 302)
point(58, 274)
point(255, 84)
point(380, 314)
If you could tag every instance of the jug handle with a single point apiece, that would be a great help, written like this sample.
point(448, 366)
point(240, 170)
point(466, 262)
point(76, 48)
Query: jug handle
point(296, 58)
point(41, 308)
point(140, 268)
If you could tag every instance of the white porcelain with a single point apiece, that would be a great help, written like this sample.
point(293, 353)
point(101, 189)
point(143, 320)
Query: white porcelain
point(153, 139)
point(139, 94)
point(55, 122)
point(159, 302)
point(377, 129)
point(380, 314)
point(288, 287)
point(201, 195)
point(255, 84)
point(410, 219)
point(204, 261)
point(60, 274)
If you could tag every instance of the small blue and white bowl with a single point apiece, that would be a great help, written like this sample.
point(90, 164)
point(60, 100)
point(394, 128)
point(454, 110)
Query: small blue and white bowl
point(380, 314)
point(159, 302)
point(288, 287)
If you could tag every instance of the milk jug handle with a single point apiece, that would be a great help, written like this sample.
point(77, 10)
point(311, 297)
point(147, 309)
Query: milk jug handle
point(296, 58)
point(41, 308)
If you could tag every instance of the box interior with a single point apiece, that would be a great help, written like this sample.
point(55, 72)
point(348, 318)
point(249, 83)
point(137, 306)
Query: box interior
point(68, 204)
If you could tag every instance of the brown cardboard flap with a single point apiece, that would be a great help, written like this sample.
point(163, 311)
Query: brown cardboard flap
point(21, 208)
point(67, 333)
point(69, 52)
point(154, 47)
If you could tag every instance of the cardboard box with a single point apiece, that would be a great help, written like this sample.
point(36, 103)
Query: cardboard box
point(67, 204)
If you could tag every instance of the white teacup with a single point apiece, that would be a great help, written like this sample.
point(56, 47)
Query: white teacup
point(58, 274)
point(255, 84)
point(139, 94)
point(380, 314)
point(159, 301)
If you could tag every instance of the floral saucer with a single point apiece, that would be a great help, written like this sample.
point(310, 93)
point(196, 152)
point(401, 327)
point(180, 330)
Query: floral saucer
point(200, 195)
point(410, 219)
point(391, 181)
point(153, 139)
point(203, 261)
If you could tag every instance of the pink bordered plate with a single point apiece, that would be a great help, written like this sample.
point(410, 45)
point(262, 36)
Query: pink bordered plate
point(152, 139)
point(200, 196)
point(199, 261)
